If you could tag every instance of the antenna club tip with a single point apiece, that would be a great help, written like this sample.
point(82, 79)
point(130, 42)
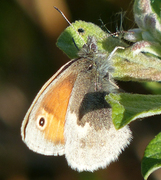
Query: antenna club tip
point(56, 8)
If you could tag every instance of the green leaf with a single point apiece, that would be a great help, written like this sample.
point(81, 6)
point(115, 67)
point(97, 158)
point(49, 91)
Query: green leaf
point(129, 107)
point(131, 64)
point(147, 17)
point(152, 157)
point(71, 40)
point(71, 33)
point(155, 5)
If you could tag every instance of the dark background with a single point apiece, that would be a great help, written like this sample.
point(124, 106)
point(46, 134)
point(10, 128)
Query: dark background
point(28, 58)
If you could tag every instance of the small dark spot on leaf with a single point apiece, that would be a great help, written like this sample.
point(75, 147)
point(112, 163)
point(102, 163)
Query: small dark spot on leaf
point(81, 30)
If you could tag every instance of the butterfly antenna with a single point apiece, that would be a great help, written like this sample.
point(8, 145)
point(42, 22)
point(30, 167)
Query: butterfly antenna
point(64, 16)
point(104, 26)
point(69, 22)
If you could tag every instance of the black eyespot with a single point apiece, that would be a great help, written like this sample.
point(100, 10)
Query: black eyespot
point(81, 30)
point(42, 121)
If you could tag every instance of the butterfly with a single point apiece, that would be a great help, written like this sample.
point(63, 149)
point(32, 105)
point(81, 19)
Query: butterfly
point(70, 116)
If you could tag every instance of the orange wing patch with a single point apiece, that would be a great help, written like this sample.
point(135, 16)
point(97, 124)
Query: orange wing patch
point(55, 104)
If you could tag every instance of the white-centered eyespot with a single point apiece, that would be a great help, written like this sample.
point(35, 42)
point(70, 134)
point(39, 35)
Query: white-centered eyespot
point(41, 122)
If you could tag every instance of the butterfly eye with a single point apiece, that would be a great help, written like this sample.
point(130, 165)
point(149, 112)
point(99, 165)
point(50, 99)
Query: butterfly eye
point(90, 67)
point(41, 123)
